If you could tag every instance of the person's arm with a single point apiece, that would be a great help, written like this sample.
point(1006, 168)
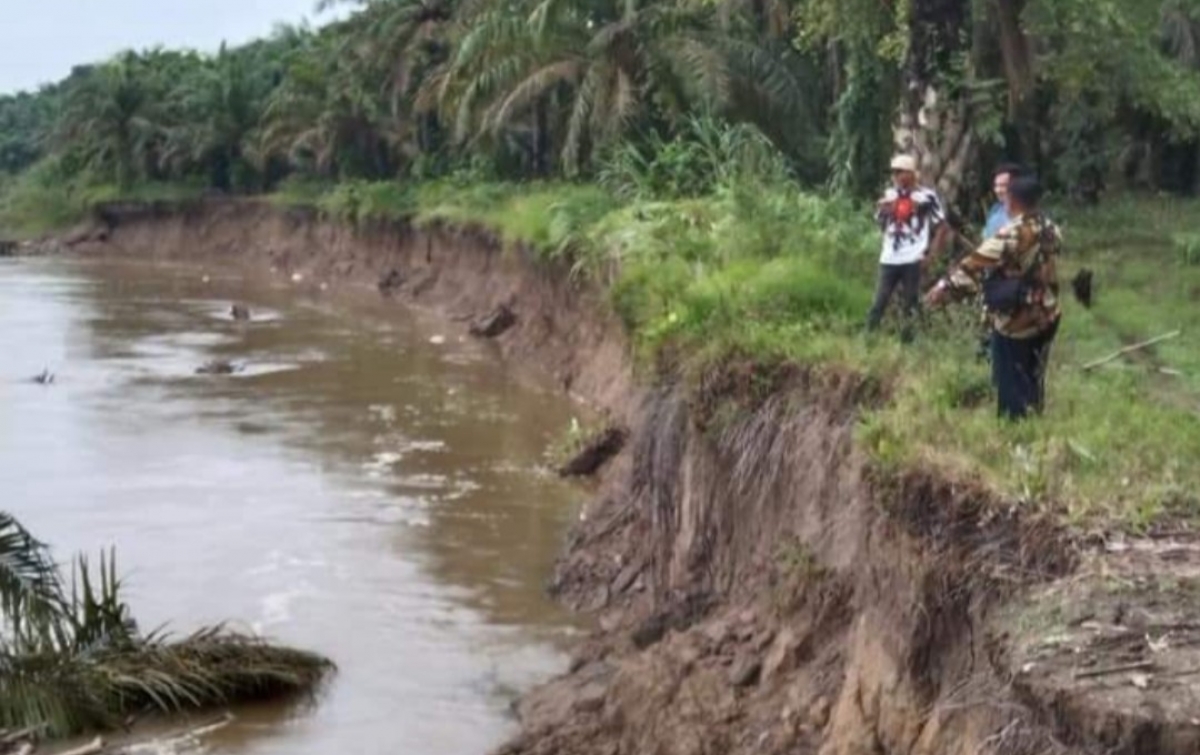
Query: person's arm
point(941, 231)
point(967, 276)
point(883, 208)
point(941, 237)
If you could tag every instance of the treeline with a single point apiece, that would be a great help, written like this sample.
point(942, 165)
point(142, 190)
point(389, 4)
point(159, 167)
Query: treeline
point(1094, 93)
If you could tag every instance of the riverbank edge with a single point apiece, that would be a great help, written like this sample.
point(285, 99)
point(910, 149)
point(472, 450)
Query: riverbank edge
point(759, 584)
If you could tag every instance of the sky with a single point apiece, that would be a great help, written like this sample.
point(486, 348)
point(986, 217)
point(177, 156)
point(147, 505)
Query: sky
point(41, 40)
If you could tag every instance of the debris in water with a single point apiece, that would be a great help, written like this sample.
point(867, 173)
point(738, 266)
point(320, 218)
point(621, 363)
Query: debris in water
point(297, 277)
point(239, 312)
point(437, 340)
point(45, 377)
point(205, 279)
point(219, 367)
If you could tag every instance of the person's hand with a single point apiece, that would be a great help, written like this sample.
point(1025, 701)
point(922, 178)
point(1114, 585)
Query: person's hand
point(885, 205)
point(938, 295)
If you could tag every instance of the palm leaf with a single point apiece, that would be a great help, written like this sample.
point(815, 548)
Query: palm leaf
point(92, 667)
point(533, 87)
point(31, 597)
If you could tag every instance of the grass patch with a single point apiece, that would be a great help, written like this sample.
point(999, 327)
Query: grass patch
point(46, 200)
point(555, 220)
point(38, 202)
point(1115, 444)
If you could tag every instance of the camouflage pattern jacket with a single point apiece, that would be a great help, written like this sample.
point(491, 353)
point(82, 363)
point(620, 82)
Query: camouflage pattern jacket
point(1029, 245)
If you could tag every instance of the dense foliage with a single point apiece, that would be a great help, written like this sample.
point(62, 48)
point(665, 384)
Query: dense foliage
point(1093, 92)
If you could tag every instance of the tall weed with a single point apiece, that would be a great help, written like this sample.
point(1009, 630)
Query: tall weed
point(704, 157)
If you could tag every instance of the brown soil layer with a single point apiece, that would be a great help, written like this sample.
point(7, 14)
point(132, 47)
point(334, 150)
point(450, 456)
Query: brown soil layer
point(760, 586)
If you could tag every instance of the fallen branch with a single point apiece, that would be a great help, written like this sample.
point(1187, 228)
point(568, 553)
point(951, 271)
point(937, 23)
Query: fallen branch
point(91, 748)
point(1142, 666)
point(173, 740)
point(1129, 349)
point(12, 737)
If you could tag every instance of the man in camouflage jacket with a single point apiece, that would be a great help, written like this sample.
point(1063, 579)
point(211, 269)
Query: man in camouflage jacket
point(1016, 270)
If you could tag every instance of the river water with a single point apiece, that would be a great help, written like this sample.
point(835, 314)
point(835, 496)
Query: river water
point(369, 487)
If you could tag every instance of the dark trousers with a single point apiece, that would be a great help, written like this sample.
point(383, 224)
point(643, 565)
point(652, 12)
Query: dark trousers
point(891, 277)
point(1019, 371)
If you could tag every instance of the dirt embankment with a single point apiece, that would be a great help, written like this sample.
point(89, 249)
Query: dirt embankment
point(561, 331)
point(759, 586)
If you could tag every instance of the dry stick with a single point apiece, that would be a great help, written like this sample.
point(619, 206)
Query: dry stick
point(192, 732)
point(1143, 666)
point(1128, 349)
point(91, 748)
point(12, 737)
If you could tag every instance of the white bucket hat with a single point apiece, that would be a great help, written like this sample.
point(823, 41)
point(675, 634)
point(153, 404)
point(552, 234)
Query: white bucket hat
point(904, 162)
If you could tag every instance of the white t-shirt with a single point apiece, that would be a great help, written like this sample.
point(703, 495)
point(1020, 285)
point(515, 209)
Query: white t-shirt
point(908, 227)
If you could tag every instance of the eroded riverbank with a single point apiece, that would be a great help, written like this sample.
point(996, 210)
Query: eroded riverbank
point(761, 585)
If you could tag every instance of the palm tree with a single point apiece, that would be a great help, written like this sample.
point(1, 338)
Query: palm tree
point(1180, 30)
point(221, 105)
point(393, 44)
point(29, 588)
point(112, 117)
point(73, 659)
point(600, 70)
point(327, 117)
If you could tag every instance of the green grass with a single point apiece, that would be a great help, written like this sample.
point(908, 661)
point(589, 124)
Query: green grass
point(43, 200)
point(1116, 443)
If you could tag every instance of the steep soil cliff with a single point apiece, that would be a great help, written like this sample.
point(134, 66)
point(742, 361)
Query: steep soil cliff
point(759, 585)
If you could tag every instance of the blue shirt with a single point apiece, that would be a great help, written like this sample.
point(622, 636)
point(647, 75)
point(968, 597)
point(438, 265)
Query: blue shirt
point(997, 218)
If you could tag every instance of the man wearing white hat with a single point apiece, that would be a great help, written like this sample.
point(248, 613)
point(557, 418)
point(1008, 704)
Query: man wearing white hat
point(914, 226)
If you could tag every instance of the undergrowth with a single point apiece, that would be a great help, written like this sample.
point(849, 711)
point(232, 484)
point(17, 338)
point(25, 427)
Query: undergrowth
point(49, 198)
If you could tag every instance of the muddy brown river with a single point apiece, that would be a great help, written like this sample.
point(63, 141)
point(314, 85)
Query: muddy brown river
point(369, 486)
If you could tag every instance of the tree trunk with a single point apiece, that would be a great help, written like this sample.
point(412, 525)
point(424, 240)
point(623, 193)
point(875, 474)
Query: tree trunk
point(935, 120)
point(541, 139)
point(1021, 78)
point(837, 80)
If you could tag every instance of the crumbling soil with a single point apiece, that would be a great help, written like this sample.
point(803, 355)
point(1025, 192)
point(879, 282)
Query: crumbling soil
point(759, 586)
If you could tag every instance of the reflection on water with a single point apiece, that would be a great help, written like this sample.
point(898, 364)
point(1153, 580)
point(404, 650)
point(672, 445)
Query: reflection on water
point(356, 489)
